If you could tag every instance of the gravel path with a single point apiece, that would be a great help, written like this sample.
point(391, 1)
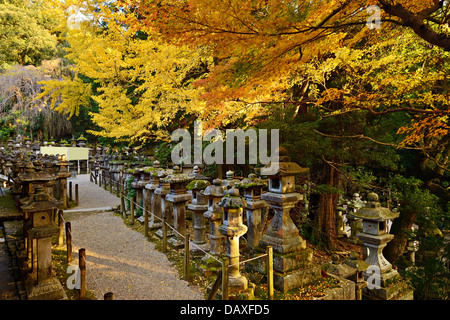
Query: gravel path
point(91, 195)
point(119, 259)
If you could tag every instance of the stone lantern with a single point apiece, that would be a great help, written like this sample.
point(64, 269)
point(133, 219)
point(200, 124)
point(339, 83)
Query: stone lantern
point(35, 148)
point(355, 224)
point(282, 234)
point(41, 284)
point(150, 190)
point(160, 193)
point(32, 177)
point(214, 194)
point(233, 228)
point(198, 206)
point(374, 233)
point(375, 237)
point(230, 180)
point(62, 175)
point(292, 261)
point(341, 219)
point(178, 197)
point(256, 209)
point(137, 185)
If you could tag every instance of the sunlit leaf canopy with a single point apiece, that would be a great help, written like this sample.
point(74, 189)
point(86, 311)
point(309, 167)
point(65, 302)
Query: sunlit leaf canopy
point(157, 62)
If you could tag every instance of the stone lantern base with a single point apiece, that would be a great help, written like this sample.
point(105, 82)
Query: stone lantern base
point(392, 287)
point(51, 290)
point(290, 270)
point(244, 294)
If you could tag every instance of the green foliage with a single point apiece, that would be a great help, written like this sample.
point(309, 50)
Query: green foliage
point(131, 192)
point(430, 276)
point(26, 33)
point(163, 153)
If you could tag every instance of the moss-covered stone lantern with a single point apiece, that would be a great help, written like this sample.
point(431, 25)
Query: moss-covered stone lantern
point(382, 280)
point(150, 190)
point(198, 206)
point(233, 228)
point(214, 194)
point(41, 284)
point(61, 178)
point(178, 196)
point(161, 204)
point(293, 265)
point(255, 209)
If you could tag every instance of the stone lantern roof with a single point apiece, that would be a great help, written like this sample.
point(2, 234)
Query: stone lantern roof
point(42, 202)
point(285, 166)
point(373, 211)
point(214, 190)
point(198, 185)
point(251, 182)
point(230, 180)
point(31, 174)
point(197, 175)
point(232, 200)
point(176, 177)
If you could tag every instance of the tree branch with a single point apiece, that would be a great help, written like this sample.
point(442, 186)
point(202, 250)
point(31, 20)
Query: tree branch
point(416, 22)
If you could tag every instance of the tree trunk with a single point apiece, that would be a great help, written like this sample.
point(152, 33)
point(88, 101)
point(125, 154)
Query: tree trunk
point(327, 206)
point(396, 246)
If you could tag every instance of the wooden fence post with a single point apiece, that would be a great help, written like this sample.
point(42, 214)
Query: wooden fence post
point(132, 210)
point(225, 279)
point(269, 264)
point(145, 221)
point(70, 190)
point(69, 242)
point(61, 227)
point(187, 256)
point(164, 228)
point(82, 266)
point(76, 194)
point(122, 205)
point(108, 296)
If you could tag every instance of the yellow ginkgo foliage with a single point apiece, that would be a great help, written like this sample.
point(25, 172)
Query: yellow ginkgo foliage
point(141, 84)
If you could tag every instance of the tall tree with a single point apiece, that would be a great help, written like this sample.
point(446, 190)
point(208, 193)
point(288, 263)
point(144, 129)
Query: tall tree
point(26, 32)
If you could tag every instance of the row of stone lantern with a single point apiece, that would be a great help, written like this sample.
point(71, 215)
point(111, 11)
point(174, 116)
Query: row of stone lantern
point(221, 204)
point(39, 188)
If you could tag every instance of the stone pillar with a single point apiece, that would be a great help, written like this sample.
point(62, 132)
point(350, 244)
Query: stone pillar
point(355, 224)
point(161, 204)
point(198, 206)
point(293, 265)
point(154, 219)
point(256, 209)
point(62, 175)
point(233, 228)
point(178, 197)
point(214, 194)
point(138, 186)
point(383, 282)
